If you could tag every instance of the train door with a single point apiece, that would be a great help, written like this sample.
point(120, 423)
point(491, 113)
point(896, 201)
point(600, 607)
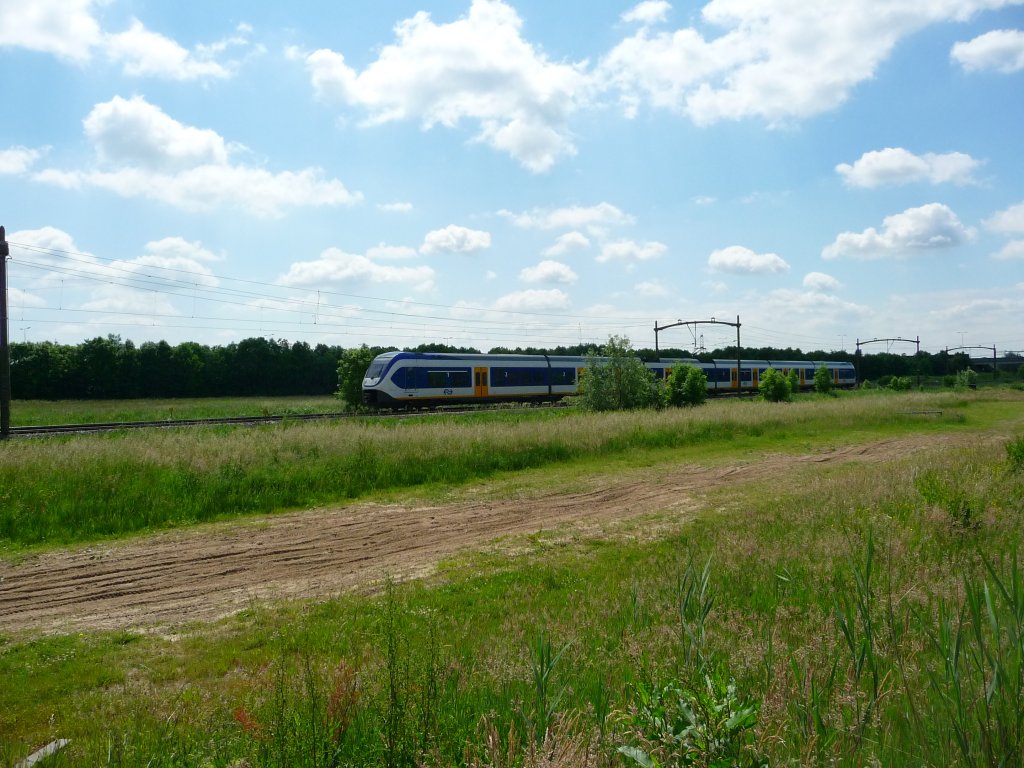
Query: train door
point(480, 382)
point(753, 376)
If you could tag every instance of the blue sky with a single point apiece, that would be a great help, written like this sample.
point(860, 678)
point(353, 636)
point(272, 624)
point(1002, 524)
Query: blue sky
point(490, 173)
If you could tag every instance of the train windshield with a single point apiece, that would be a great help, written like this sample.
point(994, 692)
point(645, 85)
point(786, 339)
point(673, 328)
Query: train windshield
point(376, 369)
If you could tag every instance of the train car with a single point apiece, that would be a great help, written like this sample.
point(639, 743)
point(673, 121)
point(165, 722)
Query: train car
point(430, 379)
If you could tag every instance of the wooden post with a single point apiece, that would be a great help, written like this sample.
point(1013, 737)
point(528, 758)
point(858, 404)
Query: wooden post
point(5, 346)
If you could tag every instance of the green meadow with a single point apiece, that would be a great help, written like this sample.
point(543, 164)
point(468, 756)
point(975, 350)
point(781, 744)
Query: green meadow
point(849, 613)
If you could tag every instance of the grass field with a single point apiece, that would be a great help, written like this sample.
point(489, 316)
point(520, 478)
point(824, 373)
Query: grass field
point(37, 413)
point(851, 615)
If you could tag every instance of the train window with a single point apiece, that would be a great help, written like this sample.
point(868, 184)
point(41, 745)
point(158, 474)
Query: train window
point(563, 376)
point(448, 378)
point(519, 377)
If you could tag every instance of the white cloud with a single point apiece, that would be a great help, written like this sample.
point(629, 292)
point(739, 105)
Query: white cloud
point(705, 200)
point(336, 266)
point(596, 218)
point(648, 12)
point(63, 28)
point(930, 227)
point(1011, 251)
point(651, 289)
point(1001, 50)
point(179, 247)
point(69, 30)
point(567, 242)
point(895, 165)
point(533, 300)
point(812, 304)
point(548, 271)
point(143, 53)
point(455, 239)
point(628, 250)
point(819, 281)
point(133, 131)
point(743, 261)
point(1010, 221)
point(17, 298)
point(17, 160)
point(396, 207)
point(386, 252)
point(477, 68)
point(778, 60)
point(143, 152)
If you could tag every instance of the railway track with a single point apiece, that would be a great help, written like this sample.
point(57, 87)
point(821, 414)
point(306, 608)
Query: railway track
point(243, 421)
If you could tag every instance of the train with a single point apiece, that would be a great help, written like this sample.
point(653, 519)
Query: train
point(431, 379)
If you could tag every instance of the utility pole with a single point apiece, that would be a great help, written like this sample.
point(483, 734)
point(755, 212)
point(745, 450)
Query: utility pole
point(5, 347)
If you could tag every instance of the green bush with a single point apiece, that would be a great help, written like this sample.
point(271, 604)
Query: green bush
point(1015, 453)
point(822, 381)
point(966, 379)
point(775, 387)
point(794, 380)
point(618, 380)
point(687, 385)
point(351, 371)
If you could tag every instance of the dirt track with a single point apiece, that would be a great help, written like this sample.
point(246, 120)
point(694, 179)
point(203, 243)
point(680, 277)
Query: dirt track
point(212, 571)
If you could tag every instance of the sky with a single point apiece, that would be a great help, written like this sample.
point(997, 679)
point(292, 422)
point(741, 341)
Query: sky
point(486, 173)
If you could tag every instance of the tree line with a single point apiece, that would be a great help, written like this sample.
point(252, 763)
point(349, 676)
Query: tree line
point(109, 367)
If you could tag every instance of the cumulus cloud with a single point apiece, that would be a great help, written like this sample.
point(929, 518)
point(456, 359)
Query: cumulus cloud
point(18, 160)
point(533, 300)
point(1001, 50)
point(595, 218)
point(548, 271)
point(386, 252)
point(143, 152)
point(774, 59)
point(143, 53)
point(336, 266)
point(927, 228)
point(630, 251)
point(743, 261)
point(819, 281)
point(477, 68)
point(1011, 251)
point(1010, 221)
point(62, 28)
point(651, 289)
point(648, 12)
point(895, 165)
point(455, 239)
point(570, 241)
point(69, 30)
point(397, 207)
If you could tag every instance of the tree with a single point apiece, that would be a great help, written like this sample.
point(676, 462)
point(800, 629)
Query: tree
point(775, 387)
point(967, 379)
point(687, 386)
point(618, 380)
point(822, 381)
point(351, 371)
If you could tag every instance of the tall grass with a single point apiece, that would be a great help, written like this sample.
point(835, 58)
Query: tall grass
point(65, 490)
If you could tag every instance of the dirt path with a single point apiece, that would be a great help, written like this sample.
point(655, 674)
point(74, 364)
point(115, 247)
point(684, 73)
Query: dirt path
point(212, 571)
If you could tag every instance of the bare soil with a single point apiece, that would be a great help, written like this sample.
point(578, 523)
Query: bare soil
point(210, 571)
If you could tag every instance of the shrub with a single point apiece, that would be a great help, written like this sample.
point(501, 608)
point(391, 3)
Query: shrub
point(775, 387)
point(687, 385)
point(949, 381)
point(351, 371)
point(618, 380)
point(966, 379)
point(794, 380)
point(900, 383)
point(822, 381)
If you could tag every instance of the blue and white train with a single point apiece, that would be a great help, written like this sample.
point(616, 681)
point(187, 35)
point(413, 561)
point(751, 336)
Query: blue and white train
point(429, 379)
